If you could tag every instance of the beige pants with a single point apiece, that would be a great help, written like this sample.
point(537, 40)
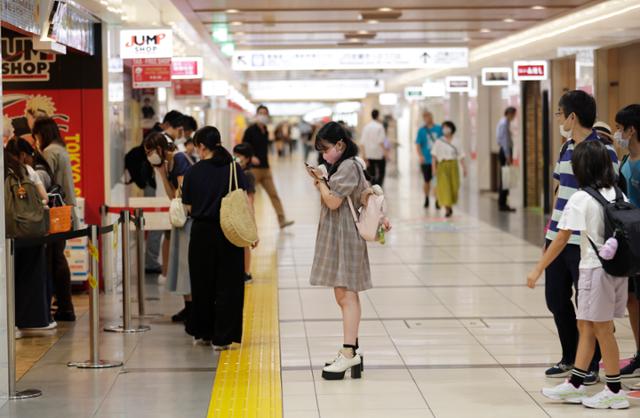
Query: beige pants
point(265, 179)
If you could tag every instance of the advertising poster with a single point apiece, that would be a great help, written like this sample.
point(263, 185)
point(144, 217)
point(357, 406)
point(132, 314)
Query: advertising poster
point(151, 72)
point(68, 88)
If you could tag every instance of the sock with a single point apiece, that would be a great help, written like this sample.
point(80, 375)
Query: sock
point(613, 383)
point(357, 344)
point(350, 347)
point(577, 377)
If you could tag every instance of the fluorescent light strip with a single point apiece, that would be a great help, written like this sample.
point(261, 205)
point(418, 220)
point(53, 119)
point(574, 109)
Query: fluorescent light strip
point(513, 45)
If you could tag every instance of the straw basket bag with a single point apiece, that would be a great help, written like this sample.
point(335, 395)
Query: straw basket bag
point(236, 216)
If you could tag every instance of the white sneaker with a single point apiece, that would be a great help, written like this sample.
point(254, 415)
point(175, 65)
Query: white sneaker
point(607, 399)
point(566, 392)
point(18, 333)
point(221, 347)
point(162, 279)
point(337, 369)
point(52, 325)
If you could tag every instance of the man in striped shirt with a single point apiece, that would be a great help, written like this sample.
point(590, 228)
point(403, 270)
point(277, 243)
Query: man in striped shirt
point(576, 115)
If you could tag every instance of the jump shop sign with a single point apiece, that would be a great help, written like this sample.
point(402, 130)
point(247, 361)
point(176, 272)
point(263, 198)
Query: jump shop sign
point(68, 88)
point(146, 43)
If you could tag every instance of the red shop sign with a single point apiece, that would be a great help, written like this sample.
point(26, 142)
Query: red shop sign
point(192, 87)
point(151, 72)
point(530, 70)
point(185, 68)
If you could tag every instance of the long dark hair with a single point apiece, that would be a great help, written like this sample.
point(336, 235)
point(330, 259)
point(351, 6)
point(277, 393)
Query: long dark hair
point(209, 137)
point(592, 165)
point(18, 145)
point(333, 133)
point(12, 164)
point(48, 133)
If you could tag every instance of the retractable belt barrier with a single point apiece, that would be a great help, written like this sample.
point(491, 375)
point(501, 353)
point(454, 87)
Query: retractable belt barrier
point(94, 233)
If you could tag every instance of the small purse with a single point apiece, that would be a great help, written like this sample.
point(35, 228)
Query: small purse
point(177, 212)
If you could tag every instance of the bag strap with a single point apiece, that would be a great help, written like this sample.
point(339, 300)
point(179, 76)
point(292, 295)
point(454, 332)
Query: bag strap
point(353, 209)
point(451, 145)
point(233, 176)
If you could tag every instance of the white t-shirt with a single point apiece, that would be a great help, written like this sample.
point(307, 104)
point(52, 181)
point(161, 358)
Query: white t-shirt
point(444, 151)
point(583, 213)
point(33, 176)
point(372, 140)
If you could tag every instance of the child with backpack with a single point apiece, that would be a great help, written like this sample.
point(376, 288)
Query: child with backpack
point(602, 296)
point(627, 136)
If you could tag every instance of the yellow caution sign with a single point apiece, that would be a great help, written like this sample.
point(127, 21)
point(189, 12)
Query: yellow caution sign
point(92, 281)
point(94, 252)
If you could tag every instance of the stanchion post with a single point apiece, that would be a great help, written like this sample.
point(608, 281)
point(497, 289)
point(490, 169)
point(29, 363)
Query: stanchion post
point(11, 327)
point(106, 262)
point(94, 361)
point(125, 217)
point(140, 260)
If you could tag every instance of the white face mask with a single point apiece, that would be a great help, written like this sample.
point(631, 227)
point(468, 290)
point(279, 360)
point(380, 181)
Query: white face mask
point(617, 137)
point(564, 132)
point(446, 131)
point(263, 119)
point(180, 141)
point(154, 159)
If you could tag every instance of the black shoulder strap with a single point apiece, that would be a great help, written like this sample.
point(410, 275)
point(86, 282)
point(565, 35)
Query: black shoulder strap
point(596, 195)
point(624, 160)
point(619, 195)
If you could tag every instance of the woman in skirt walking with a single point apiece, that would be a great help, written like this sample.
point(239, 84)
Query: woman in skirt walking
point(341, 260)
point(446, 152)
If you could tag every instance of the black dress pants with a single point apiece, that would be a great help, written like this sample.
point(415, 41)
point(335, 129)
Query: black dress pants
point(60, 274)
point(377, 169)
point(561, 279)
point(503, 193)
point(216, 269)
point(32, 307)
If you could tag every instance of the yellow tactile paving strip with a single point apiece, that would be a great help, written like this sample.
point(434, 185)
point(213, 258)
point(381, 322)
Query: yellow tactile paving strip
point(248, 380)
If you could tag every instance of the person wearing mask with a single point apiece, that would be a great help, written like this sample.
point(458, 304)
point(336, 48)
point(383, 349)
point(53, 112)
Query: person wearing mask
point(428, 134)
point(602, 296)
point(189, 126)
point(576, 115)
point(216, 266)
point(257, 135)
point(172, 129)
point(32, 307)
point(373, 143)
point(341, 260)
point(505, 156)
point(627, 137)
point(448, 154)
point(170, 167)
point(54, 150)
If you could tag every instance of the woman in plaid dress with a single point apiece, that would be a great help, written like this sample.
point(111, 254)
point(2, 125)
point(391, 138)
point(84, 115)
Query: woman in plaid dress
point(341, 260)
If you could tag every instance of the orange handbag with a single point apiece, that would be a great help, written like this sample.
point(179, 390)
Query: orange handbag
point(60, 219)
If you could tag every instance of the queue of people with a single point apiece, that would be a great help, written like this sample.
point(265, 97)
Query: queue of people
point(38, 172)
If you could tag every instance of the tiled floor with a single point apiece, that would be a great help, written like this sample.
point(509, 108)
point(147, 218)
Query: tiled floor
point(449, 329)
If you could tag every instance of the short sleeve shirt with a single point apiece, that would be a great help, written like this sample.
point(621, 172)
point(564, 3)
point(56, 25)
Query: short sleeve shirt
point(345, 180)
point(585, 215)
point(631, 172)
point(426, 138)
point(444, 151)
point(563, 172)
point(181, 164)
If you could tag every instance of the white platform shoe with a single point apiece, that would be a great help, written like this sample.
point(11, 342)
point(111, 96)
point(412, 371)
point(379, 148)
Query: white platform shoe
point(337, 369)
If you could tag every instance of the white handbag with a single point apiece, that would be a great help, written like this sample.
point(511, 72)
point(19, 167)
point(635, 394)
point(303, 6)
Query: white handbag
point(509, 177)
point(177, 212)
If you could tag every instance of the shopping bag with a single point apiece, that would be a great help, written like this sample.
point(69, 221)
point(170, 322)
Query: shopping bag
point(509, 175)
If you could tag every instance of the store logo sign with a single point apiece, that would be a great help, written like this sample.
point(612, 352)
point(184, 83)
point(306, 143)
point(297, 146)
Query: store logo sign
point(530, 70)
point(20, 62)
point(146, 43)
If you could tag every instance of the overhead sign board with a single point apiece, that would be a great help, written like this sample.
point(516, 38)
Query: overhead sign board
point(187, 88)
point(497, 76)
point(146, 43)
point(183, 68)
point(151, 73)
point(530, 70)
point(346, 58)
point(458, 84)
point(327, 89)
point(413, 93)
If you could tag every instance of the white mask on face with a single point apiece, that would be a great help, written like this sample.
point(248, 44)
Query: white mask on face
point(446, 131)
point(623, 143)
point(564, 133)
point(154, 159)
point(263, 119)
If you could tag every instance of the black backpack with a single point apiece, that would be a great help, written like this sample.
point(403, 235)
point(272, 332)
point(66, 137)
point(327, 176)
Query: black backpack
point(139, 169)
point(622, 221)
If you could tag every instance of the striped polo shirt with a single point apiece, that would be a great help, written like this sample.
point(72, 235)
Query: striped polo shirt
point(563, 172)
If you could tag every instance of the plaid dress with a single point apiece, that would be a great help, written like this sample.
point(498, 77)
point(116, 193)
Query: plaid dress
point(341, 258)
